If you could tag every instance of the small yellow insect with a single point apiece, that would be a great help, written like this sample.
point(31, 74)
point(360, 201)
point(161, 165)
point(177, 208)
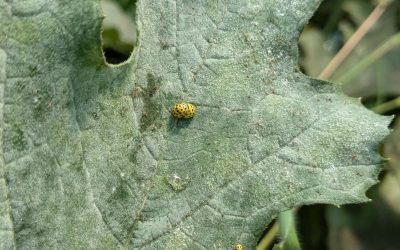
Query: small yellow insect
point(183, 110)
point(239, 247)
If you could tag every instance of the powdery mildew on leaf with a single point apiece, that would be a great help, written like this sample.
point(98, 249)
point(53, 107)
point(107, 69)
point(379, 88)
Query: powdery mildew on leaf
point(91, 157)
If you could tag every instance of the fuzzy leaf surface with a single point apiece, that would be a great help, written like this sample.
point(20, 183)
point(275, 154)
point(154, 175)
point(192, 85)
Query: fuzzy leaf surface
point(91, 157)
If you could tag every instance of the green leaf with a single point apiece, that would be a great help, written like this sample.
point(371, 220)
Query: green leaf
point(287, 229)
point(91, 157)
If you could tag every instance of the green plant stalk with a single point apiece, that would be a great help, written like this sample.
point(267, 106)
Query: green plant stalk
point(380, 78)
point(387, 106)
point(379, 52)
point(287, 230)
point(269, 238)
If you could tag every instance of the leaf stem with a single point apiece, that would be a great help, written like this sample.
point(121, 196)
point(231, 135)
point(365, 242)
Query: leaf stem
point(354, 40)
point(269, 238)
point(387, 106)
point(379, 52)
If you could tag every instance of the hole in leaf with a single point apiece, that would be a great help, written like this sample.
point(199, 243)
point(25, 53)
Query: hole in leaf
point(119, 29)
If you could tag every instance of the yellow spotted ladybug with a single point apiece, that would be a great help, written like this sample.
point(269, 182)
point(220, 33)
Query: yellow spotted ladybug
point(239, 247)
point(183, 110)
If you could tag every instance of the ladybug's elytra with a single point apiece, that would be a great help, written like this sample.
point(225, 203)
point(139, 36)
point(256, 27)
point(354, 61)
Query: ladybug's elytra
point(239, 247)
point(183, 110)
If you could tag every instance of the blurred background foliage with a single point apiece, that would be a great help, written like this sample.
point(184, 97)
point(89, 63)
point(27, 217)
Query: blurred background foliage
point(373, 225)
point(371, 71)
